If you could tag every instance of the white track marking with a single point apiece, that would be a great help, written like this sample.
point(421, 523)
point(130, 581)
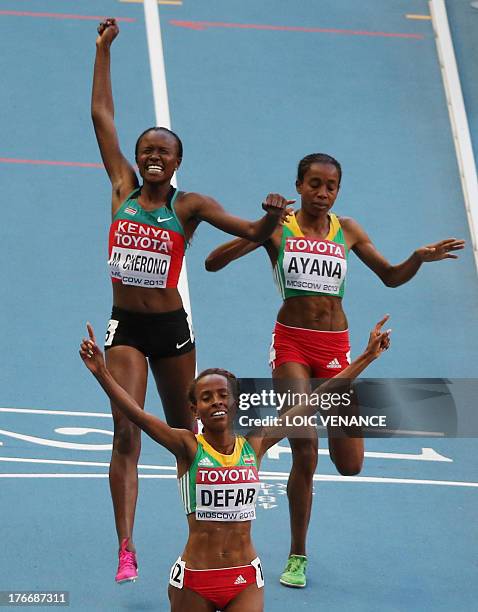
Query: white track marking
point(105, 415)
point(161, 105)
point(458, 117)
point(276, 476)
point(427, 454)
point(101, 415)
point(81, 431)
point(55, 443)
point(84, 463)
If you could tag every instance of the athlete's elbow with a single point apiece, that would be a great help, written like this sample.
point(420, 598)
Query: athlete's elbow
point(391, 282)
point(212, 265)
point(215, 262)
point(99, 115)
point(388, 282)
point(389, 278)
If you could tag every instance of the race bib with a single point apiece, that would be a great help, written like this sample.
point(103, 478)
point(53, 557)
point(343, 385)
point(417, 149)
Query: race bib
point(140, 254)
point(226, 493)
point(144, 269)
point(314, 265)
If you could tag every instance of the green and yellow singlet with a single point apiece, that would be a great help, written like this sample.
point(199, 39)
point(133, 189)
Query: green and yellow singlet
point(221, 487)
point(311, 266)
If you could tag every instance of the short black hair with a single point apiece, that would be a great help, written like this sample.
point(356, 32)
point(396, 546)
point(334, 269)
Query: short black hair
point(160, 129)
point(232, 382)
point(317, 158)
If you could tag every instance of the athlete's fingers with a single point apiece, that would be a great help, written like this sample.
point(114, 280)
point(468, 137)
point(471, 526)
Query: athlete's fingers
point(448, 244)
point(378, 327)
point(456, 245)
point(87, 348)
point(84, 354)
point(275, 204)
point(385, 340)
point(91, 333)
point(445, 242)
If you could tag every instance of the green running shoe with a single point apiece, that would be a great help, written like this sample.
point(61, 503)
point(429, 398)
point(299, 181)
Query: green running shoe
point(294, 573)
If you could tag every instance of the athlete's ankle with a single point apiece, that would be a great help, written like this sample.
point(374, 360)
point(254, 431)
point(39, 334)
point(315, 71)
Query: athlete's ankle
point(129, 546)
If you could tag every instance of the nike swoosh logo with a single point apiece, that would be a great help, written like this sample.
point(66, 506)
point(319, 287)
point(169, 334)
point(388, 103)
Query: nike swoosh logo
point(178, 346)
point(165, 219)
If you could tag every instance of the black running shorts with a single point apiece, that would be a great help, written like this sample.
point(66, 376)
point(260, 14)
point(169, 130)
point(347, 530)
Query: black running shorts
point(164, 334)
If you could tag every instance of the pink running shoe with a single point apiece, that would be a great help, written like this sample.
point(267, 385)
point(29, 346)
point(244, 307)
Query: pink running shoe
point(127, 566)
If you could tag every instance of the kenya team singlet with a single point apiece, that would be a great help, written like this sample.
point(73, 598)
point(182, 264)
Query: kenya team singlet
point(146, 247)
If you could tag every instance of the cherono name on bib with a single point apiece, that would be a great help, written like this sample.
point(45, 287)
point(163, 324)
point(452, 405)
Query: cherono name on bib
point(146, 248)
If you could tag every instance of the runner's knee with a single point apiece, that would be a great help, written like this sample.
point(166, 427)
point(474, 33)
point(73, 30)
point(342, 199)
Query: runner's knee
point(127, 439)
point(349, 466)
point(304, 455)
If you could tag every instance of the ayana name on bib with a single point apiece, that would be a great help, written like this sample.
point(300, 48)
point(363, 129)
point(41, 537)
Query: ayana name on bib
point(314, 265)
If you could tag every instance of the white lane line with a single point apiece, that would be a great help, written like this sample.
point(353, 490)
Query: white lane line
point(427, 454)
point(161, 106)
point(56, 443)
point(102, 415)
point(84, 463)
point(458, 117)
point(276, 476)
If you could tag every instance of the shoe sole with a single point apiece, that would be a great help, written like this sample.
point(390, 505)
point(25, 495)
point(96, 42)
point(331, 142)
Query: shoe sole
point(125, 580)
point(293, 586)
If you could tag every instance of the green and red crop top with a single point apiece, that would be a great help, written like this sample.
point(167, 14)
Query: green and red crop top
point(146, 247)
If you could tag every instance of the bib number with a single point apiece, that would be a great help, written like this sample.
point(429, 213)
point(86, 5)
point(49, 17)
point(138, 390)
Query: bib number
point(110, 331)
point(256, 563)
point(176, 575)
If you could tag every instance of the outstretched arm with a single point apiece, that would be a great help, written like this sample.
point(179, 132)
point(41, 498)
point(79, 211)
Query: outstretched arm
point(391, 275)
point(229, 251)
point(205, 208)
point(122, 175)
point(379, 341)
point(181, 442)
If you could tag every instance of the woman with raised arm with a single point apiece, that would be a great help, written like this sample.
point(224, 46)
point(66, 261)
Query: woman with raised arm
point(311, 339)
point(218, 480)
point(152, 223)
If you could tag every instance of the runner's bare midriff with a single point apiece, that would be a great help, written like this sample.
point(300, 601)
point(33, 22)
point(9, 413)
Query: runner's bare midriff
point(212, 546)
point(146, 300)
point(320, 312)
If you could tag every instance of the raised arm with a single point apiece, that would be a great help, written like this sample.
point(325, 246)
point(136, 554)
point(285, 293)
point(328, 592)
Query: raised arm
point(121, 173)
point(181, 442)
point(379, 341)
point(395, 275)
point(205, 208)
